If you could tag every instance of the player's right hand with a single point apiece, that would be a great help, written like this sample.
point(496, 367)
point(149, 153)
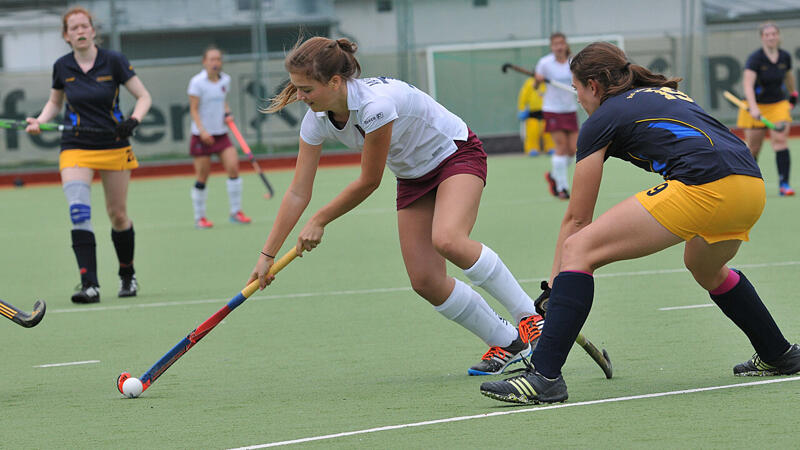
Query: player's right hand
point(260, 272)
point(755, 112)
point(33, 126)
point(524, 114)
point(206, 138)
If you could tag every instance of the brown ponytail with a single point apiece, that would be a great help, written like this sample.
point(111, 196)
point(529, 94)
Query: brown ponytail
point(318, 58)
point(608, 65)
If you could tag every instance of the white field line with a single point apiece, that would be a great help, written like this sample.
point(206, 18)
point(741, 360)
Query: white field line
point(74, 363)
point(516, 411)
point(393, 289)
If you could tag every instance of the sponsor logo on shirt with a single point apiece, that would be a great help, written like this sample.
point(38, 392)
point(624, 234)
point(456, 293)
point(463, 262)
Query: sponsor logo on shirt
point(371, 119)
point(69, 80)
point(104, 78)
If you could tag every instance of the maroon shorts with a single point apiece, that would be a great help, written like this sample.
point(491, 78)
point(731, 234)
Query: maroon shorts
point(469, 158)
point(198, 148)
point(561, 121)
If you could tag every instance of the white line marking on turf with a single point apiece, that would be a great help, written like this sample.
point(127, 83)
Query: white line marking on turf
point(377, 290)
point(74, 363)
point(673, 308)
point(516, 411)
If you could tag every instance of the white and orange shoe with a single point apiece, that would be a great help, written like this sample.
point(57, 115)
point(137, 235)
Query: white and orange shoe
point(203, 223)
point(240, 217)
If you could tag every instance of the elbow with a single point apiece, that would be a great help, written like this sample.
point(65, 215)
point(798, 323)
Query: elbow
point(370, 185)
point(577, 222)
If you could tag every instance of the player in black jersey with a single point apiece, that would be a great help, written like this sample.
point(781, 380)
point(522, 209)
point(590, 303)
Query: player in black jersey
point(768, 82)
point(89, 78)
point(712, 196)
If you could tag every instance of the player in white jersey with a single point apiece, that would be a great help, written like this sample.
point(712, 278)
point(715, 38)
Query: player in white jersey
point(560, 113)
point(208, 106)
point(440, 167)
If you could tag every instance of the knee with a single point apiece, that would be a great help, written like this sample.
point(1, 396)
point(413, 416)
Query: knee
point(573, 253)
point(425, 285)
point(118, 217)
point(447, 243)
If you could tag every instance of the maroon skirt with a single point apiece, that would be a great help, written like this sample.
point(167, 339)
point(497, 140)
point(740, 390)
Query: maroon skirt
point(469, 158)
point(198, 148)
point(560, 121)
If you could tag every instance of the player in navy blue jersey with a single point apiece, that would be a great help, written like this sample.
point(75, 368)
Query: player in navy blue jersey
point(712, 196)
point(88, 78)
point(768, 82)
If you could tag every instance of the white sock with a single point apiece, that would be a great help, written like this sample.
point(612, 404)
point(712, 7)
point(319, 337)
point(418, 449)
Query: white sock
point(235, 194)
point(468, 309)
point(559, 172)
point(199, 197)
point(491, 274)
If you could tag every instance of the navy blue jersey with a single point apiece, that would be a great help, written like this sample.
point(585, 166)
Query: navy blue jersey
point(769, 76)
point(92, 98)
point(663, 130)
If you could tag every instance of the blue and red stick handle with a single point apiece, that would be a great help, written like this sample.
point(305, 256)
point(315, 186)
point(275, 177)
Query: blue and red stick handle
point(203, 329)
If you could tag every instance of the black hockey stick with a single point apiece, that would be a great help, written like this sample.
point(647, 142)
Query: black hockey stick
point(24, 319)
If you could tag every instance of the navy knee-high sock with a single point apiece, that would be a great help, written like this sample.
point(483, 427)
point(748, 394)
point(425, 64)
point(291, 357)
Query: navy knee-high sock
point(83, 244)
point(744, 307)
point(123, 244)
point(784, 163)
point(569, 305)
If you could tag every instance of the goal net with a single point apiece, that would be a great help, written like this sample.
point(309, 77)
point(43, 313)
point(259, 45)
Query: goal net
point(467, 80)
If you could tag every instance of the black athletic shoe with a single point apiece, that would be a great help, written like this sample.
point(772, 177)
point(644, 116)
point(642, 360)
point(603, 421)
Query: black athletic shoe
point(551, 184)
point(497, 359)
point(87, 293)
point(128, 286)
point(531, 387)
point(787, 364)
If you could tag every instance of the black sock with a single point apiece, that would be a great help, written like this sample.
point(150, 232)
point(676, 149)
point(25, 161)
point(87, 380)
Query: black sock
point(783, 161)
point(83, 244)
point(569, 305)
point(199, 185)
point(743, 306)
point(123, 243)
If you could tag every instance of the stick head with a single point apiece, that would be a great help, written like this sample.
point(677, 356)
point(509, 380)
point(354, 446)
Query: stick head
point(121, 380)
point(37, 315)
point(267, 196)
point(505, 67)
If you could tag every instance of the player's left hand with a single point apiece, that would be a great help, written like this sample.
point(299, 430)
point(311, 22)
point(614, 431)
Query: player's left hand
point(125, 128)
point(310, 236)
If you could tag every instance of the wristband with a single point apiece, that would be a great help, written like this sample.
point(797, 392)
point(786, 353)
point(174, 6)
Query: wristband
point(267, 255)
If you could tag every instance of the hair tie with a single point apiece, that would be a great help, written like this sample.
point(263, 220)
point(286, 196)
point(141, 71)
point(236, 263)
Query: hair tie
point(627, 64)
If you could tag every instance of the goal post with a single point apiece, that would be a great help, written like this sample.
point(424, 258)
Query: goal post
point(467, 78)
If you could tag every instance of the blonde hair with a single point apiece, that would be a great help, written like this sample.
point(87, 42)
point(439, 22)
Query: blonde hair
point(318, 58)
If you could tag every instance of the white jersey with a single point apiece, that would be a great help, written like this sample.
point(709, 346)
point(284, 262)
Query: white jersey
point(211, 107)
point(422, 134)
point(556, 100)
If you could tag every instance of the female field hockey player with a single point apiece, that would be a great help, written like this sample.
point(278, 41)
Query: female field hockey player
point(89, 78)
point(560, 113)
point(767, 81)
point(208, 106)
point(440, 167)
point(712, 197)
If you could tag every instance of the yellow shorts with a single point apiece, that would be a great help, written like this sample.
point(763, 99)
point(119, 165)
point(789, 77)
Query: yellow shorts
point(774, 112)
point(718, 211)
point(113, 159)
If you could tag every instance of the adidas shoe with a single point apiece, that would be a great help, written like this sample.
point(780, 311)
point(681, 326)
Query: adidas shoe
point(203, 223)
point(785, 190)
point(551, 184)
point(532, 387)
point(787, 364)
point(497, 359)
point(239, 217)
point(87, 293)
point(128, 286)
point(530, 328)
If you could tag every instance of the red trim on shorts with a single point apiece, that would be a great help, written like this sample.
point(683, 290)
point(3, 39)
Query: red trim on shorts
point(198, 148)
point(560, 121)
point(468, 158)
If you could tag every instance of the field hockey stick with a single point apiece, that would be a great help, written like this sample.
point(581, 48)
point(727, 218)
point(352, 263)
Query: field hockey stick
point(600, 357)
point(22, 318)
point(522, 70)
point(249, 153)
point(203, 329)
point(742, 105)
point(21, 125)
